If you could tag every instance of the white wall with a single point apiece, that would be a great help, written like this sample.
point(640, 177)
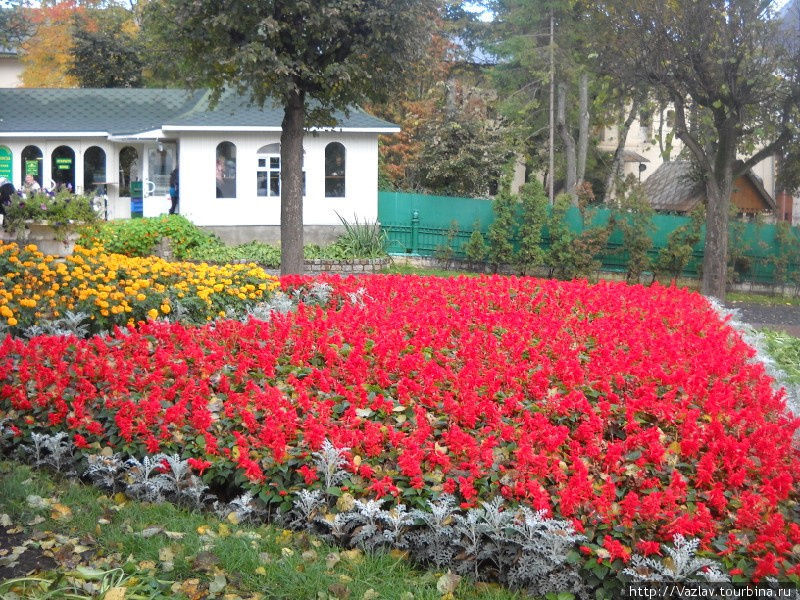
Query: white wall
point(645, 143)
point(198, 201)
point(10, 72)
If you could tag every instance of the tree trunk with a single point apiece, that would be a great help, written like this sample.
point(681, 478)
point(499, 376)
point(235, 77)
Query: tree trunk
point(568, 140)
point(715, 254)
point(292, 130)
point(583, 127)
point(719, 186)
point(616, 162)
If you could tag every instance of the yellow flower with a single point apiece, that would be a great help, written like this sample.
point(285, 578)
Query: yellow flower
point(152, 313)
point(165, 309)
point(11, 321)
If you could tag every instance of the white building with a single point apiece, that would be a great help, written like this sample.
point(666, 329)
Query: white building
point(10, 68)
point(126, 142)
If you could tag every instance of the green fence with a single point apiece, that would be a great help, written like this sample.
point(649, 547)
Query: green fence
point(423, 225)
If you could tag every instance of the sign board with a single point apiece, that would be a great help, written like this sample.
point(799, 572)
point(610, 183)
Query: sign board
point(5, 162)
point(137, 189)
point(137, 208)
point(63, 164)
point(32, 167)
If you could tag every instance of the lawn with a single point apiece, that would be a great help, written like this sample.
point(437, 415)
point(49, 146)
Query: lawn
point(577, 432)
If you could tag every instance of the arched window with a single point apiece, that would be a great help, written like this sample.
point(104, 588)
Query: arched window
point(226, 170)
point(128, 169)
point(334, 170)
point(62, 165)
point(268, 171)
point(94, 168)
point(32, 163)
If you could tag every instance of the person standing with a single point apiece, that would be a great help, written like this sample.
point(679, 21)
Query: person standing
point(30, 186)
point(173, 191)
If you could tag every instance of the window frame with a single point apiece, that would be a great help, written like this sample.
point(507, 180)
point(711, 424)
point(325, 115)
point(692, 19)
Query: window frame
point(330, 177)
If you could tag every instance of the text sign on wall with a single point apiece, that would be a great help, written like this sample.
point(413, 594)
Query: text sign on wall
point(5, 162)
point(64, 164)
point(32, 167)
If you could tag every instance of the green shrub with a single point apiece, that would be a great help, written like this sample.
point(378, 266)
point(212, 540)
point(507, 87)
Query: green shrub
point(635, 219)
point(445, 252)
point(139, 237)
point(59, 210)
point(675, 256)
point(476, 249)
point(573, 256)
point(501, 231)
point(534, 216)
point(362, 240)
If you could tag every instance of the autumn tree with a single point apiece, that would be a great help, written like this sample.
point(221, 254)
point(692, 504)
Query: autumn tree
point(721, 58)
point(105, 50)
point(47, 54)
point(310, 58)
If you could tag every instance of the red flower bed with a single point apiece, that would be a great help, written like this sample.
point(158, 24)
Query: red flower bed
point(633, 411)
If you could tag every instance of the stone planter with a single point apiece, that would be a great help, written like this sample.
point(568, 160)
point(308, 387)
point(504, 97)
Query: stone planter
point(45, 238)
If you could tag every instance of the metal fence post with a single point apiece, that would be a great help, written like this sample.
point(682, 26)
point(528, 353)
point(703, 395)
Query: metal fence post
point(414, 232)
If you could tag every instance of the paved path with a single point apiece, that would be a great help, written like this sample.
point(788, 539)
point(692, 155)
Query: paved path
point(785, 318)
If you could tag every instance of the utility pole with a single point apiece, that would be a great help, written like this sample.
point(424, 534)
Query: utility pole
point(550, 173)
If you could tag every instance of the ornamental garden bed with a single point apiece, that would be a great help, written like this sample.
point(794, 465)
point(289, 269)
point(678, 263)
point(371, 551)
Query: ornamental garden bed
point(558, 436)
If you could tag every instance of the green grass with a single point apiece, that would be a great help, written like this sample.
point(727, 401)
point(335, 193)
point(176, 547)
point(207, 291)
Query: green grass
point(785, 350)
point(764, 299)
point(401, 269)
point(254, 559)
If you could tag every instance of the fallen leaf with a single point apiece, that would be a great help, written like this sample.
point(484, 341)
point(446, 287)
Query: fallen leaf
point(205, 561)
point(355, 555)
point(219, 583)
point(233, 518)
point(115, 593)
point(332, 560)
point(287, 552)
point(107, 451)
point(346, 502)
point(37, 502)
point(448, 583)
point(189, 587)
point(47, 544)
point(370, 594)
point(5, 520)
point(147, 565)
point(166, 554)
point(148, 532)
point(260, 571)
point(224, 530)
point(61, 512)
point(174, 535)
point(339, 590)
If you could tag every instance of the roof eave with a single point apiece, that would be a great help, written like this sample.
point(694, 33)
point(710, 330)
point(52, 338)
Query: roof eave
point(53, 134)
point(273, 128)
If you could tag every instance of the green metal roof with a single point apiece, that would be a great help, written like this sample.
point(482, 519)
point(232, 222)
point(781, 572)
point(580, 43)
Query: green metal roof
point(234, 110)
point(127, 111)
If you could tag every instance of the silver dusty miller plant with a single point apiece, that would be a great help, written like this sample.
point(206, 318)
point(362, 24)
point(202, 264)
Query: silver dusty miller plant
point(243, 506)
point(330, 462)
point(543, 548)
point(684, 565)
point(55, 451)
point(105, 471)
point(187, 487)
point(434, 542)
point(70, 323)
point(144, 478)
point(372, 528)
